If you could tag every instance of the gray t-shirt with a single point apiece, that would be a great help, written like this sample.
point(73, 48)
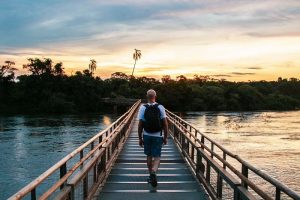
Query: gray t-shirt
point(162, 116)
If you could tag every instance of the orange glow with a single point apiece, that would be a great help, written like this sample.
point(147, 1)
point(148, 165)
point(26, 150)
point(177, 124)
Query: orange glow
point(240, 59)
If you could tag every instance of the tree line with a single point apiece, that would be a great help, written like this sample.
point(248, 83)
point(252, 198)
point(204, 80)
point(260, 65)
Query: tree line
point(47, 89)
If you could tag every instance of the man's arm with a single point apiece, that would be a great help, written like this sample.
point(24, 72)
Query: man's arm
point(165, 123)
point(140, 126)
point(165, 126)
point(140, 132)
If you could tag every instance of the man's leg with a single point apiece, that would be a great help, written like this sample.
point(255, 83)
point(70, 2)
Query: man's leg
point(149, 163)
point(147, 151)
point(156, 163)
point(156, 153)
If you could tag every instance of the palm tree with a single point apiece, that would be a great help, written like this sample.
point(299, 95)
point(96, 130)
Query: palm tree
point(93, 66)
point(136, 56)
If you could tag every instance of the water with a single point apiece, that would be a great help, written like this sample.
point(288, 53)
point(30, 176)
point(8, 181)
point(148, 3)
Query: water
point(29, 145)
point(268, 140)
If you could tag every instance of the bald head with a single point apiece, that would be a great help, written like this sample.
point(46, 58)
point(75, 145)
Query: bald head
point(151, 95)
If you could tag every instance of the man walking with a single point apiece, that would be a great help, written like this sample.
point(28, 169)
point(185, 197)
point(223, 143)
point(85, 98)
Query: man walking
point(152, 122)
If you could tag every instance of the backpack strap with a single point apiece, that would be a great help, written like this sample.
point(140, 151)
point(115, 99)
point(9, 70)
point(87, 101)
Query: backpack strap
point(156, 105)
point(147, 105)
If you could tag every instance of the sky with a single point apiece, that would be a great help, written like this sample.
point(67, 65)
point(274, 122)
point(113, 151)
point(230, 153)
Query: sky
point(238, 40)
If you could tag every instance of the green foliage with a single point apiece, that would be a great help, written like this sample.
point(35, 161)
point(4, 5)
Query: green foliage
point(7, 71)
point(249, 97)
point(38, 67)
point(48, 90)
point(281, 102)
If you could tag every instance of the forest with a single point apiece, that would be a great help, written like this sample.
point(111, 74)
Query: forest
point(47, 89)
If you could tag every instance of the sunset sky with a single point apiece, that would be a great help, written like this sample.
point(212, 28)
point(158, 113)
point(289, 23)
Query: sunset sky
point(231, 39)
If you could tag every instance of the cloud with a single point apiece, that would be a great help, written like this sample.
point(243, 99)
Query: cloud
point(242, 73)
point(221, 75)
point(256, 68)
point(276, 34)
point(57, 21)
point(190, 36)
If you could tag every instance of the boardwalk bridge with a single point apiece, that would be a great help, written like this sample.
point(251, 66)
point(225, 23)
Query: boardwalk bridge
point(112, 166)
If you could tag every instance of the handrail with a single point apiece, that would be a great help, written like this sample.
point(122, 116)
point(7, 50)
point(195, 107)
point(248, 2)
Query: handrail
point(189, 131)
point(207, 137)
point(101, 138)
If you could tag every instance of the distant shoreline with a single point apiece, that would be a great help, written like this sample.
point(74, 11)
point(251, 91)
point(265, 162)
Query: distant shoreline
point(48, 90)
point(8, 114)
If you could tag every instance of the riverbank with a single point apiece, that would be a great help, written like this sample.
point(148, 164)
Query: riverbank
point(42, 92)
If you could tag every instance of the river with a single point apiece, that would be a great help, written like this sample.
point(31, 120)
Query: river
point(268, 140)
point(29, 145)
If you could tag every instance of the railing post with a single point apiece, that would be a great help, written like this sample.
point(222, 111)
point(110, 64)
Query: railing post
point(185, 125)
point(107, 152)
point(175, 132)
point(188, 147)
point(277, 196)
point(224, 157)
point(72, 193)
point(202, 141)
point(102, 164)
point(207, 177)
point(193, 153)
point(236, 194)
point(172, 130)
point(245, 173)
point(219, 185)
point(199, 164)
point(100, 139)
point(81, 156)
point(182, 143)
point(92, 145)
point(95, 177)
point(85, 186)
point(33, 194)
point(63, 171)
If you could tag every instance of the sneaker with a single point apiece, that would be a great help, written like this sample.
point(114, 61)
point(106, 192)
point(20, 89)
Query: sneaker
point(153, 180)
point(149, 179)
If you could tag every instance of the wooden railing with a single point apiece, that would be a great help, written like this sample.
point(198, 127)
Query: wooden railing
point(210, 163)
point(88, 165)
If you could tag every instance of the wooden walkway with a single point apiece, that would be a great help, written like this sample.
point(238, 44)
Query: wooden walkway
point(128, 177)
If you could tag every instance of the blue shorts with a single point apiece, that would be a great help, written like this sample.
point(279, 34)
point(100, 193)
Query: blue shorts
point(152, 145)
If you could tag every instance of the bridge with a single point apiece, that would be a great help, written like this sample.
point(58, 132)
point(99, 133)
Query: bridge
point(111, 165)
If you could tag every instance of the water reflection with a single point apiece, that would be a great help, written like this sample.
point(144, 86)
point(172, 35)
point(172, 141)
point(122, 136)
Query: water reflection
point(106, 120)
point(31, 144)
point(268, 140)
